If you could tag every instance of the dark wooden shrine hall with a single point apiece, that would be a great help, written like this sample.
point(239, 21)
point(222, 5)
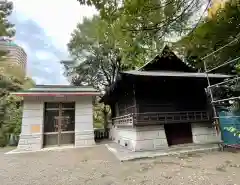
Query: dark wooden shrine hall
point(165, 90)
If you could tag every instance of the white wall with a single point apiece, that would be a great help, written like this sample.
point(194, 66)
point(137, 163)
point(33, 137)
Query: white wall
point(151, 138)
point(84, 134)
point(140, 138)
point(154, 137)
point(33, 115)
point(204, 133)
point(127, 136)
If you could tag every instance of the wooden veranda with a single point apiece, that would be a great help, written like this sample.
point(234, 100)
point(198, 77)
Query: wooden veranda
point(156, 118)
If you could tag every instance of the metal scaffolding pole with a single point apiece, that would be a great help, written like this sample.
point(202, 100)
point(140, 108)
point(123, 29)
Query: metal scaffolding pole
point(211, 96)
point(224, 64)
point(236, 39)
point(227, 81)
point(226, 99)
point(209, 88)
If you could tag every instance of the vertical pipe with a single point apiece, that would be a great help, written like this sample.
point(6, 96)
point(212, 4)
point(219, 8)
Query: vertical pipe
point(211, 96)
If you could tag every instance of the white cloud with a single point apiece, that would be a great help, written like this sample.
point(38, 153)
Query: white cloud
point(57, 17)
point(48, 70)
point(44, 55)
point(39, 80)
point(24, 45)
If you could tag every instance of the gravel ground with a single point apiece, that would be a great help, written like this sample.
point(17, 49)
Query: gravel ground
point(97, 166)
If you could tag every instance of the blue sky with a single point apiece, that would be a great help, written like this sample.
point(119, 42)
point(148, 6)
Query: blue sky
point(43, 28)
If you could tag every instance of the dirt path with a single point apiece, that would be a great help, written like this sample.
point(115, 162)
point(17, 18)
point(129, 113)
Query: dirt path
point(98, 166)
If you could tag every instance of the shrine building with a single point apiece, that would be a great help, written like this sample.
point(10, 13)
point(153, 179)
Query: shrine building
point(56, 115)
point(161, 104)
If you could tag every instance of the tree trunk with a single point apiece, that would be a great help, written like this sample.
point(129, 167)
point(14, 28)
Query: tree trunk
point(105, 117)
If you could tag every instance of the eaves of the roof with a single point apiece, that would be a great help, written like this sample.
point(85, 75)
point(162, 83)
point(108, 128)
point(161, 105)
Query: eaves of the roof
point(58, 90)
point(174, 74)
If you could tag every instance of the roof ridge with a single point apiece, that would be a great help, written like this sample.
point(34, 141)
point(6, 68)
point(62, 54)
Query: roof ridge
point(158, 55)
point(161, 54)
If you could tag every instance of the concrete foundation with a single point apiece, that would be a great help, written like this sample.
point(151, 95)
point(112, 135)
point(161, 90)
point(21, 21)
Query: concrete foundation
point(30, 142)
point(204, 133)
point(149, 138)
point(85, 138)
point(140, 138)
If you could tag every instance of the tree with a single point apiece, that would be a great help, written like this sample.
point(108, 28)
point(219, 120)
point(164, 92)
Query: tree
point(96, 58)
point(101, 114)
point(213, 33)
point(11, 79)
point(124, 36)
point(142, 26)
point(6, 28)
point(148, 15)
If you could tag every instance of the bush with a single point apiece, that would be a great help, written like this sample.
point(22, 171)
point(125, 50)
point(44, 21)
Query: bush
point(10, 118)
point(3, 139)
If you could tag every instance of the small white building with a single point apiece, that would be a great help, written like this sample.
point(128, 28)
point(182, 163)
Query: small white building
point(56, 115)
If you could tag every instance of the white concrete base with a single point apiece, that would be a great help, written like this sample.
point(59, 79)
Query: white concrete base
point(140, 138)
point(30, 142)
point(34, 142)
point(204, 133)
point(149, 138)
point(85, 138)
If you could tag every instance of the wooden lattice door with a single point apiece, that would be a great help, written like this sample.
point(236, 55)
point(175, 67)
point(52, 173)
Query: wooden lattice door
point(59, 123)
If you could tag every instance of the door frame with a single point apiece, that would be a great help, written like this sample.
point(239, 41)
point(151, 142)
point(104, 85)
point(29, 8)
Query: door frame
point(60, 116)
point(172, 137)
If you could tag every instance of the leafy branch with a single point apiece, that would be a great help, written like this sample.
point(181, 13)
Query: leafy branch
point(233, 130)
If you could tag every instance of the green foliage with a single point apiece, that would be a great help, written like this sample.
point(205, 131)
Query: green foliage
point(124, 36)
point(10, 114)
point(153, 16)
point(140, 27)
point(10, 117)
point(100, 114)
point(233, 130)
point(97, 60)
point(235, 107)
point(11, 79)
point(97, 115)
point(10, 109)
point(6, 28)
point(212, 34)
